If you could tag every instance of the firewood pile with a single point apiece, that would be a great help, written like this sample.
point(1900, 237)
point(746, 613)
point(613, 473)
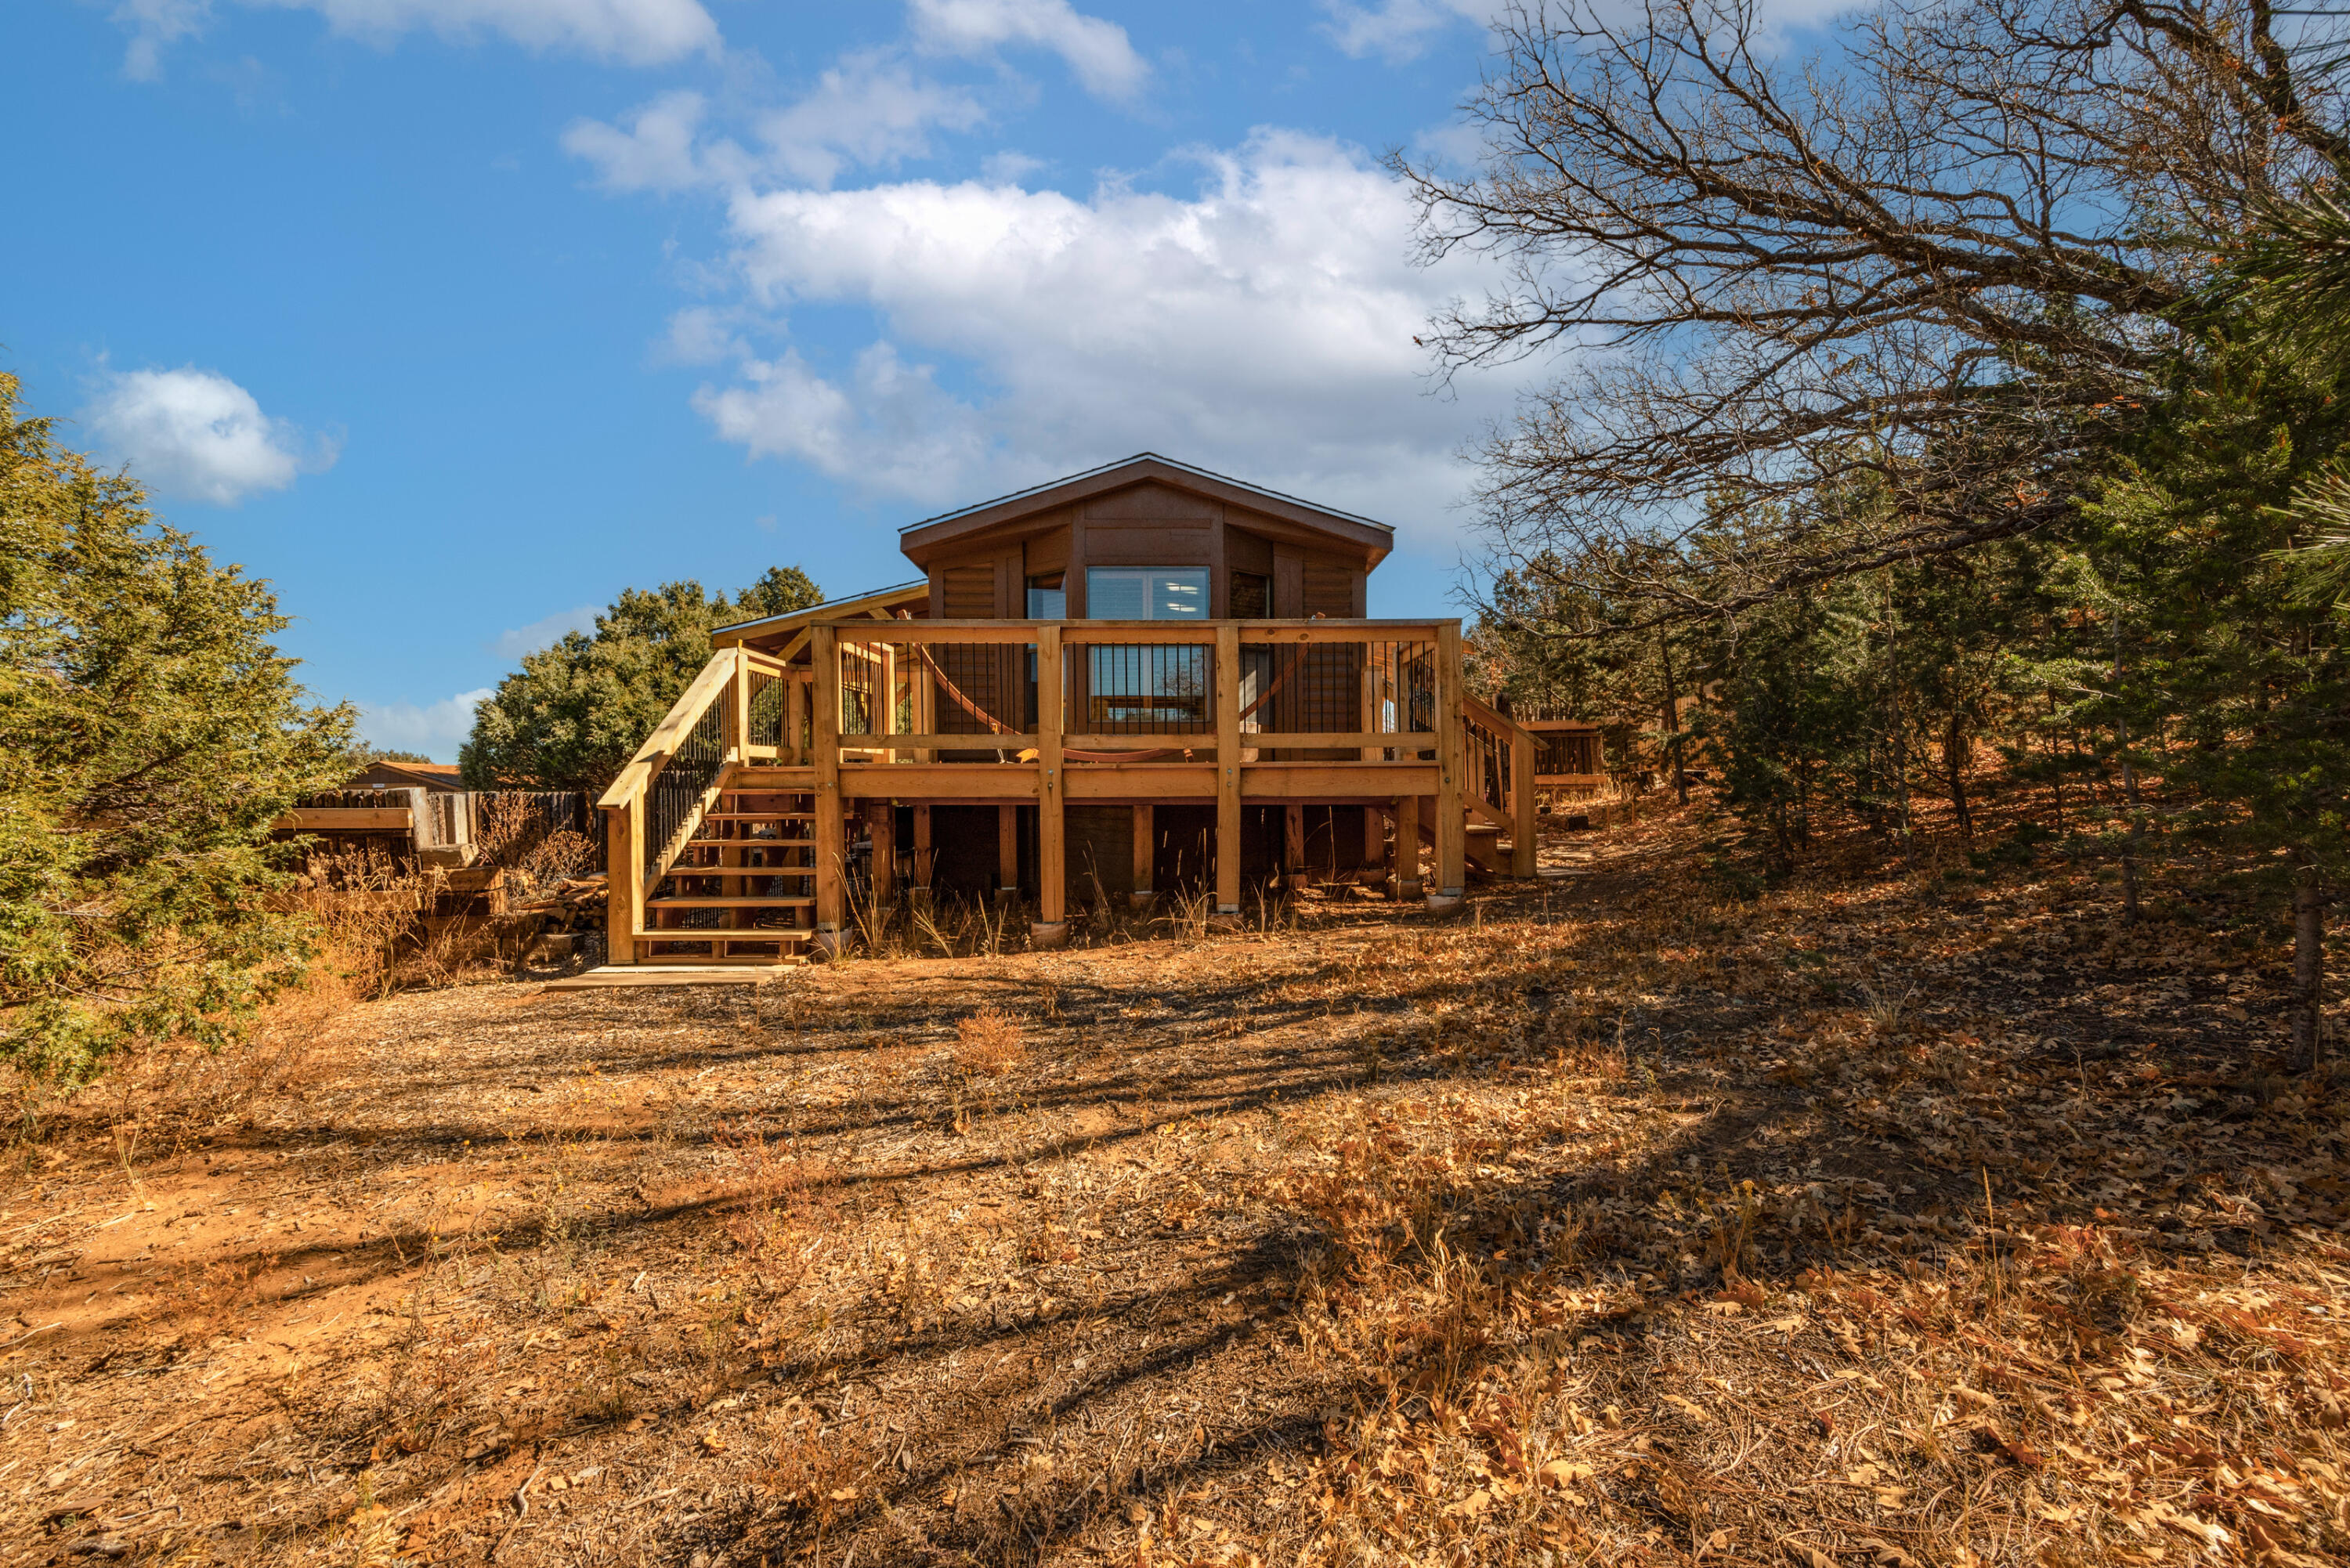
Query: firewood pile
point(571, 919)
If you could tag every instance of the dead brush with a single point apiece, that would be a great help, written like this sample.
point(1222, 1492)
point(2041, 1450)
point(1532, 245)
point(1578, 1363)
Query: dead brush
point(988, 1043)
point(508, 833)
point(822, 1475)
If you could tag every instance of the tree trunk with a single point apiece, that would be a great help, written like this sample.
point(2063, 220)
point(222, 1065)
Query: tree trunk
point(2137, 835)
point(1673, 718)
point(1955, 751)
point(2308, 969)
point(2056, 766)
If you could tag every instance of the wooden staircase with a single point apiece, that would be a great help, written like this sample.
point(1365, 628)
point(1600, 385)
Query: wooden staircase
point(743, 886)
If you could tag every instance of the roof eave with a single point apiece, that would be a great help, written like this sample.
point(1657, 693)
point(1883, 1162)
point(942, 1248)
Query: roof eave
point(1376, 540)
point(917, 591)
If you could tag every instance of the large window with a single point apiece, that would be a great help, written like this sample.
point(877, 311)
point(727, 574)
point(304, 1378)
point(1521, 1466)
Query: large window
point(1154, 690)
point(1146, 593)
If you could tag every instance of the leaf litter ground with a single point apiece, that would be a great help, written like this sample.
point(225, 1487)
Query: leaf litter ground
point(1883, 1220)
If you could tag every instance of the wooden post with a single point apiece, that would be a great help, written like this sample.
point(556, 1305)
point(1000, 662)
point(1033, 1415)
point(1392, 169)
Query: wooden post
point(881, 823)
point(1146, 846)
point(1375, 835)
point(886, 721)
point(1451, 824)
point(1228, 770)
point(1407, 848)
point(1007, 852)
point(1522, 806)
point(738, 709)
point(624, 868)
point(1052, 847)
point(831, 832)
point(795, 707)
point(922, 856)
point(1292, 845)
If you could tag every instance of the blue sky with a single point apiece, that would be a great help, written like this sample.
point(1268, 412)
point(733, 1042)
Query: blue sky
point(452, 317)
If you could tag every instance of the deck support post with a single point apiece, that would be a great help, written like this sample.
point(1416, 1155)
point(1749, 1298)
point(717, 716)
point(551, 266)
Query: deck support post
point(624, 886)
point(1375, 835)
point(831, 832)
point(1451, 824)
point(881, 823)
point(1228, 772)
point(1292, 846)
point(1406, 849)
point(1146, 844)
point(1008, 853)
point(1523, 847)
point(921, 891)
point(1051, 928)
point(795, 707)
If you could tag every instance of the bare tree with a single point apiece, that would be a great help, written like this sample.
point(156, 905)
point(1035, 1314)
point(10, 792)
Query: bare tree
point(1944, 261)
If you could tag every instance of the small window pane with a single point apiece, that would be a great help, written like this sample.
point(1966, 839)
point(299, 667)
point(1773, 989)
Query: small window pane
point(1116, 594)
point(1048, 604)
point(1178, 596)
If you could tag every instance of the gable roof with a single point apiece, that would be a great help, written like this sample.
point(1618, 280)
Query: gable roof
point(879, 604)
point(1375, 539)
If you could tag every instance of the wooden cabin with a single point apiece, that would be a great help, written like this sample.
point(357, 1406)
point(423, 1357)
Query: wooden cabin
point(1139, 678)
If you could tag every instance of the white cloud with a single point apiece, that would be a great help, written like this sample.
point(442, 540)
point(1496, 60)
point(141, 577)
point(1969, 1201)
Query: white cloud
point(435, 729)
point(1010, 168)
point(196, 434)
point(656, 151)
point(869, 109)
point(1398, 29)
point(1263, 327)
point(1097, 51)
point(154, 25)
point(634, 32)
point(519, 640)
point(890, 429)
point(697, 336)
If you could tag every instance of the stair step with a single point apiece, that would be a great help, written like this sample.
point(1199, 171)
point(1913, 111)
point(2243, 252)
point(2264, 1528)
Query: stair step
point(674, 903)
point(734, 960)
point(788, 935)
point(758, 817)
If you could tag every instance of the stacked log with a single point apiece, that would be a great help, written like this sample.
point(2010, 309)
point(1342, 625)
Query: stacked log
point(571, 920)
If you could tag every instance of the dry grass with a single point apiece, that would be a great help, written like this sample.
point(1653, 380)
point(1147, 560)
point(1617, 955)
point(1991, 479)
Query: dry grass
point(988, 1043)
point(1881, 1220)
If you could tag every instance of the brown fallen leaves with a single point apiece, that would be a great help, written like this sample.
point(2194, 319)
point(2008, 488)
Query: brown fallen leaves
point(1878, 1222)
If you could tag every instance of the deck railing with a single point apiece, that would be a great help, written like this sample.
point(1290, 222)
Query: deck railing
point(982, 692)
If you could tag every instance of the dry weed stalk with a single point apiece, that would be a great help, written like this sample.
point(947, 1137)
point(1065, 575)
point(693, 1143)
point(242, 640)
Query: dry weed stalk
point(988, 1043)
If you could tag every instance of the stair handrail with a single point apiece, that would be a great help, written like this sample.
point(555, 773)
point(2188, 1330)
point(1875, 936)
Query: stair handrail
point(1518, 793)
point(628, 877)
point(636, 775)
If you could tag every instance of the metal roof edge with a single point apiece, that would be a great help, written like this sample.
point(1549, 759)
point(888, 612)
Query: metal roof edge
point(1148, 457)
point(814, 610)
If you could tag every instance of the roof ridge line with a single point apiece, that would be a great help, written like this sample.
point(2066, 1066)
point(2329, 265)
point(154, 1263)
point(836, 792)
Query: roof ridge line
point(1176, 462)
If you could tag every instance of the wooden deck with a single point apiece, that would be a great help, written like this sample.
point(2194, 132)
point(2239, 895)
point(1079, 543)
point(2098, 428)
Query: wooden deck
point(731, 829)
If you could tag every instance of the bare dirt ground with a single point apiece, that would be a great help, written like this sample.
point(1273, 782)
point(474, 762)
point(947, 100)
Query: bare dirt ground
point(1888, 1219)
